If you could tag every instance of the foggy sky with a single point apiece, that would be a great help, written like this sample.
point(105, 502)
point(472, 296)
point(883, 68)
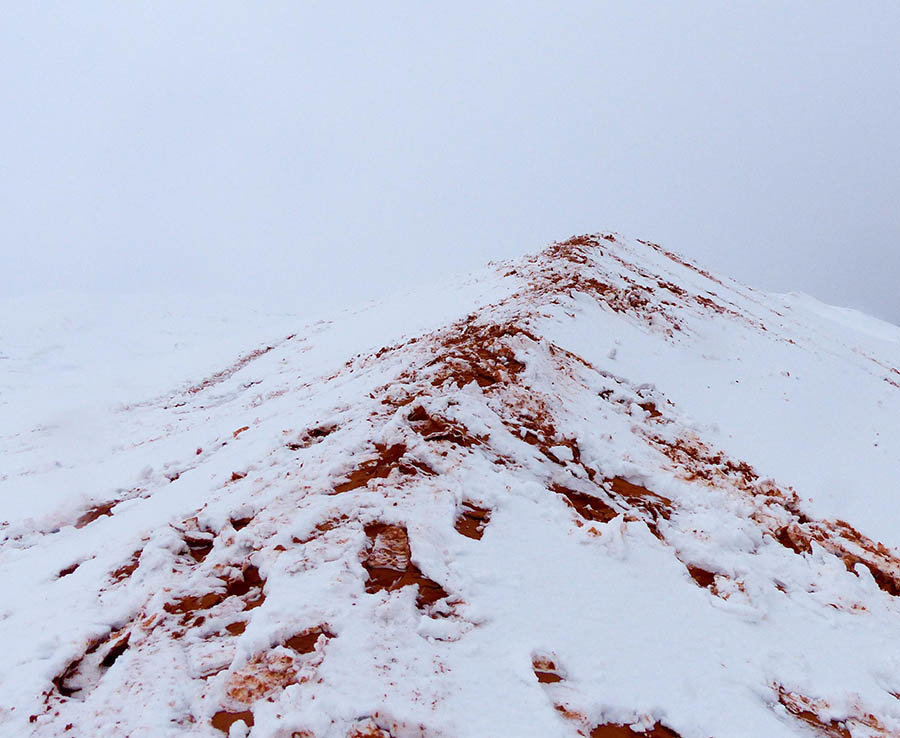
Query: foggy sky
point(316, 154)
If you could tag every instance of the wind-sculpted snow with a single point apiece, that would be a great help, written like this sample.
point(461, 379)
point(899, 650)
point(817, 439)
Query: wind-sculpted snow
point(511, 524)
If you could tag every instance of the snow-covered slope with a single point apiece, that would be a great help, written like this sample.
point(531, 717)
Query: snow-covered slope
point(596, 492)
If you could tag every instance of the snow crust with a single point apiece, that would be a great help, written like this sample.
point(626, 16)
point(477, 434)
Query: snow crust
point(602, 463)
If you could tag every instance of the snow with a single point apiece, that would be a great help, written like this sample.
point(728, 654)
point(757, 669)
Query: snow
point(254, 494)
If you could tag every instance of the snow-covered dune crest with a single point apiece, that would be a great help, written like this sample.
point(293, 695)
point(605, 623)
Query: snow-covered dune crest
point(614, 495)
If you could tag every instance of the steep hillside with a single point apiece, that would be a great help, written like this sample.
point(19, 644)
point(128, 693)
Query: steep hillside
point(612, 495)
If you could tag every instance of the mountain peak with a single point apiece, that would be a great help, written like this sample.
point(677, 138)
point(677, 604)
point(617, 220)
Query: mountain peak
point(615, 495)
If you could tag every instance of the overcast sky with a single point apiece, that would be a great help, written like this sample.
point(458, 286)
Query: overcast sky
point(323, 153)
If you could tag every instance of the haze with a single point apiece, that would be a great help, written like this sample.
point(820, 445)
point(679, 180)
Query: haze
point(316, 154)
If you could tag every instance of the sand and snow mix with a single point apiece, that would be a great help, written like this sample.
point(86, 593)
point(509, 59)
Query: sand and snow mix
point(596, 492)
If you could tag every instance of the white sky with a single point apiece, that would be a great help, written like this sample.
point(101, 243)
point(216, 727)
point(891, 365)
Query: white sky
point(321, 153)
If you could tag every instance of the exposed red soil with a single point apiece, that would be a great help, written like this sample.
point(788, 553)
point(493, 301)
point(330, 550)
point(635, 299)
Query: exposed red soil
point(237, 627)
point(778, 513)
point(321, 431)
point(223, 719)
point(481, 353)
point(636, 297)
point(68, 681)
point(678, 260)
point(641, 497)
point(126, 570)
point(63, 680)
point(616, 730)
point(650, 408)
point(240, 430)
point(472, 520)
point(790, 536)
point(530, 420)
point(803, 709)
point(263, 675)
point(673, 288)
point(193, 603)
point(68, 570)
point(702, 577)
point(312, 436)
point(711, 304)
point(472, 352)
point(699, 462)
point(546, 669)
point(844, 541)
point(436, 428)
point(573, 249)
point(248, 586)
point(387, 562)
point(240, 523)
point(587, 506)
point(886, 581)
point(569, 714)
point(811, 711)
point(96, 512)
point(380, 467)
point(116, 650)
point(237, 476)
point(323, 527)
point(368, 728)
point(224, 374)
point(199, 541)
point(305, 641)
point(632, 298)
point(647, 405)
